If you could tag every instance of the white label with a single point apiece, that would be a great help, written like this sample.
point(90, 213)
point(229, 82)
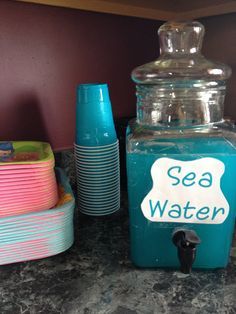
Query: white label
point(186, 191)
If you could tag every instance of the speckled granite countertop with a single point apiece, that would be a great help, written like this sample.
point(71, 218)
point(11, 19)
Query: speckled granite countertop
point(96, 276)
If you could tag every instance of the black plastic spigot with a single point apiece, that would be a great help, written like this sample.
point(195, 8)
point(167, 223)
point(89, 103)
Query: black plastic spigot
point(186, 241)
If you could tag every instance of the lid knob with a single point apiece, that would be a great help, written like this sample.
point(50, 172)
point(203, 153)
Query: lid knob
point(181, 37)
point(181, 60)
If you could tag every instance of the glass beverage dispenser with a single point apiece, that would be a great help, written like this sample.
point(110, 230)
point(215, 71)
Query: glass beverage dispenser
point(181, 157)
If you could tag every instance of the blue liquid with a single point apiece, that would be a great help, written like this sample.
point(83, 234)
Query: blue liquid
point(151, 242)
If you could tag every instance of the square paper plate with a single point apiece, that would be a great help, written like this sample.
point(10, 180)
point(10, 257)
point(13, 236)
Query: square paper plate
point(23, 153)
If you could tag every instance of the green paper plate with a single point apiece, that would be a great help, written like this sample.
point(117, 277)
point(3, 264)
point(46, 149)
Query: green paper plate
point(27, 152)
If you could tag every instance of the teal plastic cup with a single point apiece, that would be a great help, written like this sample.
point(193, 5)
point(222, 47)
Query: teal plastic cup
point(94, 119)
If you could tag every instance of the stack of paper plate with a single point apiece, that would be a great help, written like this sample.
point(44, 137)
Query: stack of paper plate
point(27, 178)
point(40, 234)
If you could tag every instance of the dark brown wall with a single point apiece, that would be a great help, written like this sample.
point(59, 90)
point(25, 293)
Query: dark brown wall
point(220, 45)
point(45, 52)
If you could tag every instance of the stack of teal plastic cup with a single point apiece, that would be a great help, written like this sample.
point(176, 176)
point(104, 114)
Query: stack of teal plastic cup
point(96, 151)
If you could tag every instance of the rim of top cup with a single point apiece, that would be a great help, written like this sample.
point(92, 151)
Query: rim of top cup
point(106, 145)
point(91, 152)
point(96, 147)
point(98, 152)
point(97, 157)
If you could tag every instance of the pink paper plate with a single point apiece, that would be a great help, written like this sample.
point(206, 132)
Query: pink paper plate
point(29, 198)
point(29, 182)
point(15, 178)
point(37, 174)
point(26, 185)
point(19, 196)
point(26, 171)
point(45, 164)
point(19, 189)
point(25, 191)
